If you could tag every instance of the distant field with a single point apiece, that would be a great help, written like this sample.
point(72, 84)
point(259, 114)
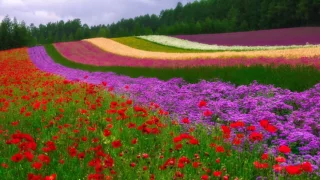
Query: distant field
point(123, 50)
point(289, 36)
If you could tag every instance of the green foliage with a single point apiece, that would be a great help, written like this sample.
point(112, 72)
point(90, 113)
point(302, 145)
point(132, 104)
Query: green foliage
point(103, 32)
point(283, 76)
point(71, 38)
point(205, 16)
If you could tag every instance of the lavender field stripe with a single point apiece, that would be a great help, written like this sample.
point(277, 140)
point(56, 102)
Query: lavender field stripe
point(296, 115)
point(280, 37)
point(185, 44)
point(123, 50)
point(85, 53)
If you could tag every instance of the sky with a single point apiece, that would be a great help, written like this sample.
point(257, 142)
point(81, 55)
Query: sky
point(91, 12)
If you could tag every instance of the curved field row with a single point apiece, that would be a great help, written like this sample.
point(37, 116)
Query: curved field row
point(123, 50)
point(283, 76)
point(85, 53)
point(186, 44)
point(280, 37)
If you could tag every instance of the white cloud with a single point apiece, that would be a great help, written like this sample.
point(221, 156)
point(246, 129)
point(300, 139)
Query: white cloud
point(91, 12)
point(149, 2)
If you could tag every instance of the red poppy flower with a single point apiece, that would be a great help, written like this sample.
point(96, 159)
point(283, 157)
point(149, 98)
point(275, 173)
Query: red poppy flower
point(185, 121)
point(36, 105)
point(284, 149)
point(131, 125)
point(218, 160)
point(81, 155)
point(306, 166)
point(179, 174)
point(225, 129)
point(28, 114)
point(255, 136)
point(251, 128)
point(50, 146)
point(29, 156)
point(61, 161)
point(259, 165)
point(51, 177)
point(17, 157)
point(271, 128)
point(294, 170)
point(129, 102)
point(202, 103)
point(134, 141)
point(104, 83)
point(121, 154)
point(277, 168)
point(132, 164)
point(240, 135)
point(237, 124)
point(34, 177)
point(178, 146)
point(44, 158)
point(116, 144)
point(84, 138)
point(236, 141)
point(184, 160)
point(207, 113)
point(180, 165)
point(106, 132)
point(264, 123)
point(204, 177)
point(193, 141)
point(145, 155)
point(265, 156)
point(280, 159)
point(37, 165)
point(4, 165)
point(72, 151)
point(177, 139)
point(15, 123)
point(217, 173)
point(220, 149)
point(196, 164)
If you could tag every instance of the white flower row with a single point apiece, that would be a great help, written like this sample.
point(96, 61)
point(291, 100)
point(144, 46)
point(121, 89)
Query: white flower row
point(185, 44)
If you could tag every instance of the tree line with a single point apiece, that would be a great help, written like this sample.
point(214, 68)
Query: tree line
point(203, 16)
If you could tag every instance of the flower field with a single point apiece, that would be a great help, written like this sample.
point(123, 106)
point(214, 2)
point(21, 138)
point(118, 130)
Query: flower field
point(112, 109)
point(123, 50)
point(274, 37)
point(50, 124)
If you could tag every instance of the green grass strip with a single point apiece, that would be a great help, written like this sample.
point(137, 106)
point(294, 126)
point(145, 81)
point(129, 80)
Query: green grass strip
point(142, 44)
point(297, 78)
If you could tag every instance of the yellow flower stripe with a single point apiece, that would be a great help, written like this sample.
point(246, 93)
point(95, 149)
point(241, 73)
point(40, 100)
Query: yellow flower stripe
point(123, 50)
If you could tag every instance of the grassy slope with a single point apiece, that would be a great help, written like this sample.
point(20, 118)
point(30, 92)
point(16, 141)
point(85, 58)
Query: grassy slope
point(295, 79)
